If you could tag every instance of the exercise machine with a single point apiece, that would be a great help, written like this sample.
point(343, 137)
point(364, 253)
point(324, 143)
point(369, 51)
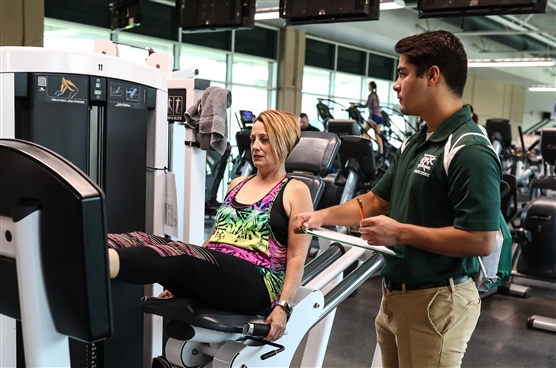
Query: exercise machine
point(116, 121)
point(244, 162)
point(200, 336)
point(53, 260)
point(535, 255)
point(107, 116)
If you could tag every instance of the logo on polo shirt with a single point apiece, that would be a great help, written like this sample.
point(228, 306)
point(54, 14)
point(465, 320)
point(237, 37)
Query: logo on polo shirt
point(425, 164)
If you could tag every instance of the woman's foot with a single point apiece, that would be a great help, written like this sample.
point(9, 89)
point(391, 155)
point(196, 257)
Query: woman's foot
point(113, 263)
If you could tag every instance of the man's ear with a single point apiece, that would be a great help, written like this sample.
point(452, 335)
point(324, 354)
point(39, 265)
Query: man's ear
point(433, 75)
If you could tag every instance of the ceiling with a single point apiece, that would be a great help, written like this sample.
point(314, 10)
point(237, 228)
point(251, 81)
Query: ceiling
point(490, 37)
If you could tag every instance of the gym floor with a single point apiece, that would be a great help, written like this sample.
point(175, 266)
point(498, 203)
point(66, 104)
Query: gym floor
point(501, 339)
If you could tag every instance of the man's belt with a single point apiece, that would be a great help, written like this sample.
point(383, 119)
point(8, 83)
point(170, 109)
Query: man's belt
point(389, 285)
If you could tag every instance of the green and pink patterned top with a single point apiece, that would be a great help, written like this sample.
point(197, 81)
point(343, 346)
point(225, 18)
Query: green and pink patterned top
point(244, 231)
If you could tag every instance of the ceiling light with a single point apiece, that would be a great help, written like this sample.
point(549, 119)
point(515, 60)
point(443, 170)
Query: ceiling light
point(503, 63)
point(267, 15)
point(391, 4)
point(543, 88)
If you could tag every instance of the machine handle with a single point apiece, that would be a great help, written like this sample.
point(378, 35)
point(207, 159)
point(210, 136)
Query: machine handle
point(256, 329)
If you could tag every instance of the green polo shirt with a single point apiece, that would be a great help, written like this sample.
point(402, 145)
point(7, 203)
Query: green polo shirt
point(420, 193)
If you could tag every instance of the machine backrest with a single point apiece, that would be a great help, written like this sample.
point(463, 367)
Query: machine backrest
point(343, 127)
point(73, 237)
point(502, 127)
point(361, 150)
point(243, 141)
point(312, 159)
point(548, 145)
point(508, 199)
point(538, 257)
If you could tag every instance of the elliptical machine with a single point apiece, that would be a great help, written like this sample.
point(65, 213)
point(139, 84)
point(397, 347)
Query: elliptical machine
point(244, 163)
point(535, 256)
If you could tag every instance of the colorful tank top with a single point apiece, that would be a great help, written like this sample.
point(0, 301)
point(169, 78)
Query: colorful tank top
point(244, 232)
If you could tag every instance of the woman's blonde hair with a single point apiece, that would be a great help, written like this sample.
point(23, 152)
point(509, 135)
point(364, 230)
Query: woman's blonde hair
point(283, 131)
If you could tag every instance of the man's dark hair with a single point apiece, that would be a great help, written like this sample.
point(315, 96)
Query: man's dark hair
point(303, 115)
point(440, 48)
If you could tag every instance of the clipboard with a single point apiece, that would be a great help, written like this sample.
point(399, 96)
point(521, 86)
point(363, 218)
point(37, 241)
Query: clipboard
point(350, 240)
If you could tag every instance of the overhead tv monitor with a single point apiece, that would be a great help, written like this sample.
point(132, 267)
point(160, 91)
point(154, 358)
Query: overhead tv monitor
point(297, 12)
point(458, 8)
point(343, 127)
point(215, 15)
point(124, 14)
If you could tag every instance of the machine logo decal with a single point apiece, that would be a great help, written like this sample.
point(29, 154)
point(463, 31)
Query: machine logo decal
point(425, 164)
point(67, 85)
point(56, 88)
point(116, 90)
point(131, 94)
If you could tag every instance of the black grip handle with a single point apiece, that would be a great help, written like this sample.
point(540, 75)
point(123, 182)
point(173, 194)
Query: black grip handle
point(256, 329)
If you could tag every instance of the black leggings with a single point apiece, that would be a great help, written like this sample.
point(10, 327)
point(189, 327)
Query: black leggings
point(231, 283)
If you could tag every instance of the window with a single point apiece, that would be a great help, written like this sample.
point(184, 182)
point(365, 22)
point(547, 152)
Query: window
point(381, 67)
point(69, 36)
point(319, 54)
point(211, 64)
point(257, 42)
point(221, 40)
point(316, 80)
point(351, 61)
point(250, 71)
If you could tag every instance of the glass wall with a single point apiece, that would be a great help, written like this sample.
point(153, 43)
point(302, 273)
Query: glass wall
point(62, 35)
point(340, 75)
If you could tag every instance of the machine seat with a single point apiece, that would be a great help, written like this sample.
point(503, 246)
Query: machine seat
point(195, 313)
point(357, 153)
point(315, 185)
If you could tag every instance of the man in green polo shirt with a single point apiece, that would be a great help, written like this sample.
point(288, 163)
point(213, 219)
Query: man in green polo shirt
point(438, 205)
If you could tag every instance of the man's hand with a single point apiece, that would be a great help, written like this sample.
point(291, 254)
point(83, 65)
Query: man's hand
point(380, 230)
point(306, 220)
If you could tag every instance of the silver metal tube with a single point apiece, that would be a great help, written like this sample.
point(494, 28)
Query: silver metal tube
point(321, 262)
point(341, 291)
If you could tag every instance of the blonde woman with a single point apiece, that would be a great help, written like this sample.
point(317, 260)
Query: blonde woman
point(252, 263)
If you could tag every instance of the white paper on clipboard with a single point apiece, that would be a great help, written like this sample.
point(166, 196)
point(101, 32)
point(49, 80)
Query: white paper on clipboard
point(350, 240)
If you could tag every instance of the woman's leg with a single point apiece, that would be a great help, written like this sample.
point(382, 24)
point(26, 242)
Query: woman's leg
point(218, 279)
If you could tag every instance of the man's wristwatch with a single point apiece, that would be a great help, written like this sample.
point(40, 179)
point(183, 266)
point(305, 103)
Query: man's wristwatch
point(284, 304)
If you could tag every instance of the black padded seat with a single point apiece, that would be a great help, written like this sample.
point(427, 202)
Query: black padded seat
point(357, 153)
point(312, 159)
point(197, 314)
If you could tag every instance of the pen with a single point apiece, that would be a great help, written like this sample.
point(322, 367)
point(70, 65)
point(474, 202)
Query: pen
point(360, 207)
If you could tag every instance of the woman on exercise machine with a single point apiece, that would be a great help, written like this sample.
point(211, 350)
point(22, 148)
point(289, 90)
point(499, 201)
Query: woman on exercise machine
point(252, 263)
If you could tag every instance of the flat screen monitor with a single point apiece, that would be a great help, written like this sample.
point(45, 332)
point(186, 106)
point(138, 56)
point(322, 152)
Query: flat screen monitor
point(215, 15)
point(124, 14)
point(458, 8)
point(343, 127)
point(297, 12)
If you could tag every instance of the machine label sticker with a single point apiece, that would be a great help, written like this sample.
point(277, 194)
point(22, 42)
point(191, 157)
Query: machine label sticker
point(116, 90)
point(132, 94)
point(126, 95)
point(425, 164)
point(62, 88)
point(176, 98)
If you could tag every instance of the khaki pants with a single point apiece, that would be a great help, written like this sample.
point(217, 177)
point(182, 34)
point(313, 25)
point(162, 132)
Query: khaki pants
point(427, 328)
